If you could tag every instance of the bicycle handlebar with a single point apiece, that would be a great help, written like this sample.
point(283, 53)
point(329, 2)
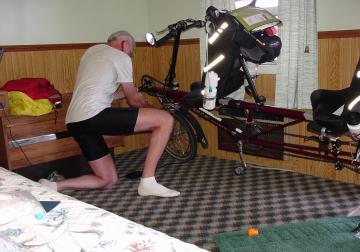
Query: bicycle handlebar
point(164, 39)
point(177, 28)
point(186, 24)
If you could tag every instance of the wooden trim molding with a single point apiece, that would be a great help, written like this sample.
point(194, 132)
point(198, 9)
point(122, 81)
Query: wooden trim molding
point(339, 34)
point(51, 47)
point(46, 47)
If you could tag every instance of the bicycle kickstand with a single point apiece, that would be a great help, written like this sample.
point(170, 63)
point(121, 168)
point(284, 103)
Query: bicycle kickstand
point(243, 166)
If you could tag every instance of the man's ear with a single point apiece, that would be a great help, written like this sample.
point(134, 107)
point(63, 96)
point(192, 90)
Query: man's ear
point(123, 45)
point(117, 44)
point(126, 46)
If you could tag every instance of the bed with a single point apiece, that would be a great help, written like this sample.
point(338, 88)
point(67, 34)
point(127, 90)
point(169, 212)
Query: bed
point(33, 218)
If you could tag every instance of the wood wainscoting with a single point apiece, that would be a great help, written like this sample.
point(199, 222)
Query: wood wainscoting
point(338, 54)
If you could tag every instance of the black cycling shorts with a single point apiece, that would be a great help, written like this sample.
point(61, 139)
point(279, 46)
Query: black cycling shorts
point(111, 121)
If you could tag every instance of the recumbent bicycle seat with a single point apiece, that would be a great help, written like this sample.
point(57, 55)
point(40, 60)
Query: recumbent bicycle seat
point(331, 107)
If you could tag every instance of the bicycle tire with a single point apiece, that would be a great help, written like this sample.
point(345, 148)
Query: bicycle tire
point(182, 144)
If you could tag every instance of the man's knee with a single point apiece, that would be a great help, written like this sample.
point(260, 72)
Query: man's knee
point(164, 120)
point(104, 169)
point(169, 119)
point(152, 119)
point(110, 181)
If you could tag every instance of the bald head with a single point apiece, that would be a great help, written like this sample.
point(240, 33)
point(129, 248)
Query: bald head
point(121, 36)
point(123, 41)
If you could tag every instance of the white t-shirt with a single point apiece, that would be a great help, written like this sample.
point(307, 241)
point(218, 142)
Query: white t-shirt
point(102, 69)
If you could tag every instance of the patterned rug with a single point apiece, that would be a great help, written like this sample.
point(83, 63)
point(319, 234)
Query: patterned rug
point(213, 200)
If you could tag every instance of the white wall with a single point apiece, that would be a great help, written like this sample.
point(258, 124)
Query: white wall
point(69, 21)
point(335, 15)
point(164, 12)
point(81, 21)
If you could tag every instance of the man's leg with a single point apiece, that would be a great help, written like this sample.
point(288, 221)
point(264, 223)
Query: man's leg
point(160, 123)
point(104, 176)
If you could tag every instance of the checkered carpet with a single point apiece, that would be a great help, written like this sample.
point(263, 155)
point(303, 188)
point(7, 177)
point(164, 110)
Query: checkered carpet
point(214, 200)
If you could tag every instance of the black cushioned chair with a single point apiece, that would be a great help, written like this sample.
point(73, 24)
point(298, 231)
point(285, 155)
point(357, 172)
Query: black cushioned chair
point(325, 104)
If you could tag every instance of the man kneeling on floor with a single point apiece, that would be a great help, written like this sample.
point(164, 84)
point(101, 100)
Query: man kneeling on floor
point(90, 116)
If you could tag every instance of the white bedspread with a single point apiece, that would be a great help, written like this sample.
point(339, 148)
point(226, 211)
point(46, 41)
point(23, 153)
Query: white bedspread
point(72, 225)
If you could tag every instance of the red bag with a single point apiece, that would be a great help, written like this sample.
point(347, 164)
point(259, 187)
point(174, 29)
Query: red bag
point(36, 88)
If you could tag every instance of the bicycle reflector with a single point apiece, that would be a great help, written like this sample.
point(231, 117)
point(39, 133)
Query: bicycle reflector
point(217, 33)
point(214, 63)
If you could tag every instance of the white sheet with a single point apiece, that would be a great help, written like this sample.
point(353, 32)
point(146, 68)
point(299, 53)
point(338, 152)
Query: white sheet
point(72, 225)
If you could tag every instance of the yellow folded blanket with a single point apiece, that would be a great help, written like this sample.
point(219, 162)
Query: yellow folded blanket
point(21, 104)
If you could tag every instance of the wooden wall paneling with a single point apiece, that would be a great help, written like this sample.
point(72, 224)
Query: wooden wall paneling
point(142, 63)
point(265, 85)
point(337, 59)
point(350, 53)
point(188, 67)
point(328, 64)
point(188, 63)
point(61, 69)
point(3, 71)
point(161, 61)
point(56, 72)
point(69, 67)
point(58, 66)
point(6, 69)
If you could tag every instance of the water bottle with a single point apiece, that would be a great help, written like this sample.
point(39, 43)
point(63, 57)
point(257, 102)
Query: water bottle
point(211, 83)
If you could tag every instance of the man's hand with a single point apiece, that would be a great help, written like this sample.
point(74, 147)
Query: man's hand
point(133, 96)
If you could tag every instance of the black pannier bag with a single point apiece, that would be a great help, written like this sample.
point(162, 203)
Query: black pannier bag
point(249, 33)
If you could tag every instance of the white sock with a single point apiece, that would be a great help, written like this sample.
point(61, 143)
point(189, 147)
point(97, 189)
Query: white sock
point(48, 184)
point(149, 186)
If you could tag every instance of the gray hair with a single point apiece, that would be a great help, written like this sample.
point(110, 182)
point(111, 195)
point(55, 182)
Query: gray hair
point(123, 35)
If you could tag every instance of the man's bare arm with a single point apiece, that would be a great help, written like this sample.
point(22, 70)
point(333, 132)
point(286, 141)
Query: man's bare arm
point(119, 94)
point(133, 96)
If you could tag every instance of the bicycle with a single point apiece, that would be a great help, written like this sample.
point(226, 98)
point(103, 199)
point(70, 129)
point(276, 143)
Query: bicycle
point(187, 130)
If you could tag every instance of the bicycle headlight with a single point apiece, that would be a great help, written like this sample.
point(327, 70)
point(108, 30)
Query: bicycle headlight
point(150, 38)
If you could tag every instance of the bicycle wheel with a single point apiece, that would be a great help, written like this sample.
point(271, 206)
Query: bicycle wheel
point(182, 143)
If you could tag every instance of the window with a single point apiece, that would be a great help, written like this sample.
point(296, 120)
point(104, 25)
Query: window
point(259, 3)
point(270, 5)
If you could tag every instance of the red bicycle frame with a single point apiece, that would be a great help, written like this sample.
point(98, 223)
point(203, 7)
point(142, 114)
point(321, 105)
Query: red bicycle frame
point(333, 154)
